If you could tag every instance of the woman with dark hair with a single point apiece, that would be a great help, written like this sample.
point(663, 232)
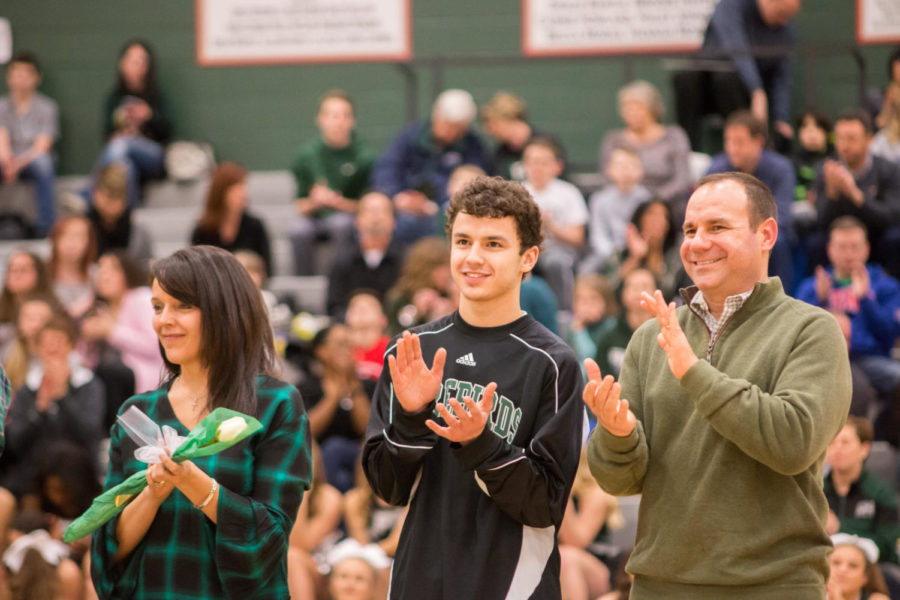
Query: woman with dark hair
point(338, 403)
point(650, 243)
point(136, 121)
point(218, 526)
point(225, 221)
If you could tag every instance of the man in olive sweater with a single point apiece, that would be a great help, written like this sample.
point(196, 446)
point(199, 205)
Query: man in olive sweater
point(731, 403)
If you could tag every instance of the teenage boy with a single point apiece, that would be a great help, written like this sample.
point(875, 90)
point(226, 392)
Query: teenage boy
point(29, 125)
point(332, 172)
point(483, 445)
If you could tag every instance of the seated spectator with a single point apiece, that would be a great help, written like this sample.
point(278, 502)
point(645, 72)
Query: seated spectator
point(745, 151)
point(66, 481)
point(374, 260)
point(73, 249)
point(651, 243)
point(39, 566)
point(315, 531)
point(504, 118)
point(564, 214)
point(280, 311)
point(663, 149)
point(25, 275)
point(424, 290)
point(612, 342)
point(853, 571)
point(867, 295)
point(886, 142)
point(60, 401)
point(367, 323)
point(35, 312)
point(589, 513)
point(415, 168)
point(336, 402)
point(811, 148)
point(332, 172)
point(121, 323)
point(225, 221)
point(111, 216)
point(861, 185)
point(357, 573)
point(136, 119)
point(612, 207)
point(593, 310)
point(859, 503)
point(29, 126)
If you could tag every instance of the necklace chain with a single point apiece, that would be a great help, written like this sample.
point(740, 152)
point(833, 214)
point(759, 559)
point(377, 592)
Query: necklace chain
point(195, 397)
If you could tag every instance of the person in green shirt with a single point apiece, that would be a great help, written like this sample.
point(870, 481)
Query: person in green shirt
point(859, 502)
point(332, 172)
point(722, 414)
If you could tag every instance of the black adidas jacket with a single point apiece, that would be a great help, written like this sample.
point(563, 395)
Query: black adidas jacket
point(483, 517)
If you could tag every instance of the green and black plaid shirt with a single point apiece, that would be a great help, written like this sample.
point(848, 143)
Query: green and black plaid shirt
point(184, 555)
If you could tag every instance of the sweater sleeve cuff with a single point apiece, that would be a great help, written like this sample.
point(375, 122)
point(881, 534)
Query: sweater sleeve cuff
point(407, 427)
point(697, 381)
point(616, 443)
point(478, 451)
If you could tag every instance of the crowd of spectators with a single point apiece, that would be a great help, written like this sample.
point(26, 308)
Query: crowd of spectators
point(76, 341)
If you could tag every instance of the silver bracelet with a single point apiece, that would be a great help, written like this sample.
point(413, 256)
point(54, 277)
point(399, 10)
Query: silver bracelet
point(212, 492)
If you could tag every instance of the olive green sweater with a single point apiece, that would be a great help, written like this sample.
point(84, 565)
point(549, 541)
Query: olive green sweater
point(729, 459)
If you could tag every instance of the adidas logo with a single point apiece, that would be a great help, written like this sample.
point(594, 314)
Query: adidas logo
point(466, 359)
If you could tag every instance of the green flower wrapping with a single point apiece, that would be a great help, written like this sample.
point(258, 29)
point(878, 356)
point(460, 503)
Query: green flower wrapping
point(220, 430)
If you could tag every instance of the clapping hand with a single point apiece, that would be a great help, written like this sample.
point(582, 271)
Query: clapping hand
point(671, 338)
point(465, 424)
point(415, 385)
point(601, 395)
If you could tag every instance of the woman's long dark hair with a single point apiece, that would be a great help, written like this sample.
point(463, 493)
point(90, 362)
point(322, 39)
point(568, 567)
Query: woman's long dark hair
point(236, 343)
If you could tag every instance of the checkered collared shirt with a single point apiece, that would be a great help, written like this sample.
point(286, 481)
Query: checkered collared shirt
point(715, 326)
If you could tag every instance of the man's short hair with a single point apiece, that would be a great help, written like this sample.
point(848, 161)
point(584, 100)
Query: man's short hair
point(455, 106)
point(627, 150)
point(856, 114)
point(863, 428)
point(335, 94)
point(847, 222)
point(745, 118)
point(760, 201)
point(645, 92)
point(25, 58)
point(495, 198)
point(504, 106)
point(548, 143)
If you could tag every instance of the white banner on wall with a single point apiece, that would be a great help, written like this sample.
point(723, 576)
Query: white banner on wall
point(233, 32)
point(570, 27)
point(877, 21)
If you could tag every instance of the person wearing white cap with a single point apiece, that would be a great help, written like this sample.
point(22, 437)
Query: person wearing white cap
point(854, 570)
point(416, 167)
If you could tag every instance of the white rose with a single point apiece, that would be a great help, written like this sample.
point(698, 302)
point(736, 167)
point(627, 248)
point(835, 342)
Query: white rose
point(230, 429)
